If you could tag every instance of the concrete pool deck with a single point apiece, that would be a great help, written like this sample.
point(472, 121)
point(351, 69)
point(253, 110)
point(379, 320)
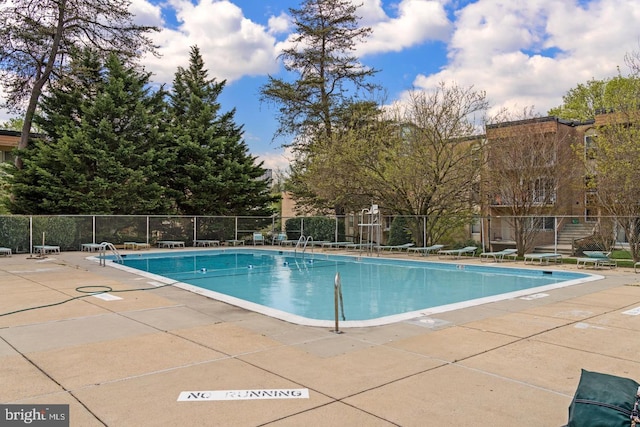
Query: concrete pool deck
point(124, 362)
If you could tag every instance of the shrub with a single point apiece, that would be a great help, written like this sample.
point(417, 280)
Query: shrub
point(55, 230)
point(14, 233)
point(319, 228)
point(399, 233)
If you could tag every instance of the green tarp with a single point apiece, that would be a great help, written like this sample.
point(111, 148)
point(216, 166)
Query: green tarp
point(603, 400)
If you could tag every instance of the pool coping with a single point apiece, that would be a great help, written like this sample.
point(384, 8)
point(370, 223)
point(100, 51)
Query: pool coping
point(158, 280)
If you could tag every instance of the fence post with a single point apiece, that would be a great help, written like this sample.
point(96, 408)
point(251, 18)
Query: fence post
point(195, 227)
point(31, 234)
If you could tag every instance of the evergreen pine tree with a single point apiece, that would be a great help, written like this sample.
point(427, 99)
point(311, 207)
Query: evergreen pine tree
point(214, 174)
point(100, 155)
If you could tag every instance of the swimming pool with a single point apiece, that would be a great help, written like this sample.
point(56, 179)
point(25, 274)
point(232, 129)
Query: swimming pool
point(375, 290)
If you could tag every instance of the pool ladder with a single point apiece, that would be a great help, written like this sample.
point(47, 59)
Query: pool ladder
point(104, 246)
point(303, 242)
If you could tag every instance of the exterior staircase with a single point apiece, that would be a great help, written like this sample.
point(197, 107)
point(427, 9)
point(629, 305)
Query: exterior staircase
point(566, 236)
point(571, 232)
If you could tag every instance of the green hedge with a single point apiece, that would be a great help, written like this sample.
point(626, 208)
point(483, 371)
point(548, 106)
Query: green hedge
point(319, 228)
point(55, 230)
point(14, 233)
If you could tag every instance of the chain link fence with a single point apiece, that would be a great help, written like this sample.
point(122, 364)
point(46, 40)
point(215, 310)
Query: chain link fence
point(21, 233)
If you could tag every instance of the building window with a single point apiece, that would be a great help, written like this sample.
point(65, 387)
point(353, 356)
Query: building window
point(543, 223)
point(386, 221)
point(544, 191)
point(590, 144)
point(591, 207)
point(9, 157)
point(476, 226)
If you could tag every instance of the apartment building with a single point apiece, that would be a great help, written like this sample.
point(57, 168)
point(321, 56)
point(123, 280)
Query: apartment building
point(535, 170)
point(8, 141)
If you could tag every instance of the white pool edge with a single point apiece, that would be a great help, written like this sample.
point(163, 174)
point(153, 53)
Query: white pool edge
point(379, 321)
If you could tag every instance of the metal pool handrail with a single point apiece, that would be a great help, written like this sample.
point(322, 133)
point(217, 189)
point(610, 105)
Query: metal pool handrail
point(337, 293)
point(304, 241)
point(103, 253)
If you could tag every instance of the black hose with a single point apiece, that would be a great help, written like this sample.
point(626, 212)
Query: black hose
point(89, 290)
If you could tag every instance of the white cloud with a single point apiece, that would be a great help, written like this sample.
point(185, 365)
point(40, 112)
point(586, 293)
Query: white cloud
point(232, 46)
point(417, 21)
point(371, 12)
point(146, 13)
point(531, 53)
point(279, 24)
point(275, 160)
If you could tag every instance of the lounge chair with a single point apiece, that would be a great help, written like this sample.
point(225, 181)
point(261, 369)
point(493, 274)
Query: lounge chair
point(196, 243)
point(5, 251)
point(279, 239)
point(142, 245)
point(542, 258)
point(94, 247)
point(336, 244)
point(426, 250)
point(258, 239)
point(170, 244)
point(391, 248)
point(359, 246)
point(598, 259)
point(47, 249)
point(500, 255)
point(457, 253)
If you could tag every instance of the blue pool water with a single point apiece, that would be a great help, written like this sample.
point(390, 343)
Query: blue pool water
point(372, 288)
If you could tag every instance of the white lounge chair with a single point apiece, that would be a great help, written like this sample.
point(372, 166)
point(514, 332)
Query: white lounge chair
point(426, 250)
point(196, 243)
point(336, 244)
point(500, 255)
point(279, 238)
point(391, 248)
point(258, 239)
point(542, 258)
point(47, 249)
point(170, 244)
point(598, 259)
point(457, 253)
point(359, 246)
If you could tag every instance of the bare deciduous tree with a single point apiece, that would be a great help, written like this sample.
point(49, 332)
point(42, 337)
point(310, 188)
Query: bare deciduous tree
point(419, 159)
point(614, 168)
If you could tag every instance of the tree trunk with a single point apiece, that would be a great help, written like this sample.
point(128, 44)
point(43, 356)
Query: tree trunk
point(40, 81)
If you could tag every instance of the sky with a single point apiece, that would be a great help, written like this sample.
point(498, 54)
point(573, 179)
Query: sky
point(522, 53)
